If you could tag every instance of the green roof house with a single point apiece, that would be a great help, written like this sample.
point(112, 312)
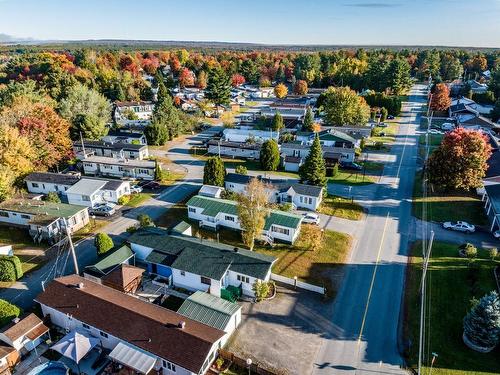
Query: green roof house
point(213, 212)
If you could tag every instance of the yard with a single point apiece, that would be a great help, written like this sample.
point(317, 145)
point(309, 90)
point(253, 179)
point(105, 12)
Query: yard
point(451, 286)
point(382, 136)
point(341, 207)
point(93, 227)
point(353, 178)
point(448, 207)
point(138, 199)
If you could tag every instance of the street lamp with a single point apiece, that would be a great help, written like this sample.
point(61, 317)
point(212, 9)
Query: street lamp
point(249, 363)
point(93, 220)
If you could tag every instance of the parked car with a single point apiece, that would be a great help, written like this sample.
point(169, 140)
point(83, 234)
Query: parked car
point(102, 210)
point(135, 189)
point(447, 126)
point(311, 218)
point(435, 131)
point(382, 125)
point(153, 185)
point(496, 233)
point(351, 166)
point(390, 117)
point(460, 226)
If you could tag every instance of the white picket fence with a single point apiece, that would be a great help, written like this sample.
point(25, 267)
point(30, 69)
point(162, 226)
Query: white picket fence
point(298, 283)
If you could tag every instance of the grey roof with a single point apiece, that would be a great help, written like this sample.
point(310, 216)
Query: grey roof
point(209, 309)
point(86, 186)
point(53, 178)
point(115, 161)
point(309, 190)
point(112, 184)
point(245, 146)
point(133, 357)
point(493, 192)
point(121, 133)
point(109, 145)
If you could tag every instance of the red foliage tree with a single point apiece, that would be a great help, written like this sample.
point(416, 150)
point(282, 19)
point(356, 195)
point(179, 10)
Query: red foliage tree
point(237, 80)
point(150, 65)
point(460, 162)
point(440, 99)
point(300, 87)
point(128, 64)
point(186, 78)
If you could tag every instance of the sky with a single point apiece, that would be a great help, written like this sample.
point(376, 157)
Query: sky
point(473, 23)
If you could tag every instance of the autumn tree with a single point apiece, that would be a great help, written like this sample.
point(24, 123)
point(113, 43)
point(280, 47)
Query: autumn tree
point(460, 162)
point(280, 90)
point(218, 89)
point(214, 171)
point(300, 87)
point(270, 155)
point(308, 123)
point(440, 99)
point(313, 171)
point(201, 80)
point(344, 107)
point(252, 211)
point(186, 78)
point(237, 80)
point(86, 102)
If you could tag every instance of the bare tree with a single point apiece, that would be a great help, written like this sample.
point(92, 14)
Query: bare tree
point(253, 210)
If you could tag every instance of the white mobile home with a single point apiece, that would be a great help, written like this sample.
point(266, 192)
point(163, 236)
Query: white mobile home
point(90, 192)
point(120, 168)
point(46, 182)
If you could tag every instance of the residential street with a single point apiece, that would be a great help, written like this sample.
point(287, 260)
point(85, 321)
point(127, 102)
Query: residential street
point(366, 314)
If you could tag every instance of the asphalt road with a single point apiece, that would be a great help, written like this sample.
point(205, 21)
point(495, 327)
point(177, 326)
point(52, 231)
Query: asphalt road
point(364, 339)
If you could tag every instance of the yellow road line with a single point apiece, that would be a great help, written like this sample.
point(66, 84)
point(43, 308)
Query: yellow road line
point(373, 279)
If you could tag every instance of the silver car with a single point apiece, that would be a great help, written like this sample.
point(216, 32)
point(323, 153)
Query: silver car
point(102, 210)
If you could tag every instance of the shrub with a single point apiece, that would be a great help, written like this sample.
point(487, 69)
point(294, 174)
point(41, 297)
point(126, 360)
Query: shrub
point(241, 169)
point(10, 268)
point(470, 251)
point(124, 199)
point(145, 221)
point(103, 243)
point(131, 229)
point(8, 312)
point(53, 197)
point(261, 290)
point(493, 252)
point(287, 207)
point(219, 363)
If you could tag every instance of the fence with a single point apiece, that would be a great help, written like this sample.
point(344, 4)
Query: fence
point(240, 362)
point(298, 284)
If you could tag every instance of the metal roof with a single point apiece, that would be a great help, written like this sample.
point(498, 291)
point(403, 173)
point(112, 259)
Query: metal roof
point(133, 357)
point(86, 186)
point(44, 211)
point(209, 309)
point(110, 261)
point(53, 178)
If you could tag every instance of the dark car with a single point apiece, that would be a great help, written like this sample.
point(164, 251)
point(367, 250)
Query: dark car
point(351, 166)
point(152, 185)
point(390, 117)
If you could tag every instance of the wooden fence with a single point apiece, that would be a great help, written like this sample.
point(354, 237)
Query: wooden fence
point(240, 362)
point(298, 284)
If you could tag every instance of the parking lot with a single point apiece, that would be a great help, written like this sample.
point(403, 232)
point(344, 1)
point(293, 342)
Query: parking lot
point(285, 333)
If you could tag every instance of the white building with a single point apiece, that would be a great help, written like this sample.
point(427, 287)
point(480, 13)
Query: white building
point(301, 150)
point(279, 191)
point(123, 136)
point(211, 191)
point(43, 218)
point(234, 150)
point(46, 182)
point(244, 135)
point(142, 109)
point(141, 336)
point(110, 149)
point(25, 334)
point(211, 212)
point(120, 168)
point(91, 192)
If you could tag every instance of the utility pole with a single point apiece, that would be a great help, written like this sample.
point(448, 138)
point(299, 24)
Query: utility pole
point(71, 247)
point(422, 303)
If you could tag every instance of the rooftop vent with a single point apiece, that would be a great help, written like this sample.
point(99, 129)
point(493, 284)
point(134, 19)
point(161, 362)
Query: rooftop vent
point(235, 249)
point(182, 324)
point(16, 320)
point(80, 285)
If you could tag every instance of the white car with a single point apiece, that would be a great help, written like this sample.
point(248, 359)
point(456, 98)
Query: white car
point(135, 189)
point(460, 226)
point(435, 131)
point(496, 233)
point(310, 218)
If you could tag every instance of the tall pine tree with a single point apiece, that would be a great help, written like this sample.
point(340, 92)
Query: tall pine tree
point(307, 126)
point(214, 172)
point(218, 89)
point(482, 323)
point(313, 171)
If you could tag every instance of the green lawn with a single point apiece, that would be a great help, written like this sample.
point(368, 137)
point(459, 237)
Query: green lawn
point(383, 136)
point(341, 207)
point(451, 286)
point(434, 139)
point(93, 227)
point(19, 238)
point(138, 199)
point(448, 207)
point(354, 178)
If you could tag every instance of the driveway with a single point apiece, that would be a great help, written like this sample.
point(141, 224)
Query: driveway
point(284, 333)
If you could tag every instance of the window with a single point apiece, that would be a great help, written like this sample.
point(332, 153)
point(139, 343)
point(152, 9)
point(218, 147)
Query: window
point(183, 273)
point(120, 169)
point(57, 187)
point(301, 199)
point(205, 280)
point(310, 200)
point(280, 230)
point(108, 167)
point(4, 214)
point(192, 209)
point(86, 326)
point(229, 218)
point(34, 184)
point(243, 279)
point(90, 165)
point(103, 334)
point(168, 365)
point(85, 198)
point(25, 216)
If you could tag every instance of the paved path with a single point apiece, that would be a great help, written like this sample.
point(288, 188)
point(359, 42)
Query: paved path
point(364, 336)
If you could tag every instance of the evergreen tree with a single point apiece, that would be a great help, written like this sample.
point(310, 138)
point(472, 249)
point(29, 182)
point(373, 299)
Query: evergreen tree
point(313, 171)
point(277, 123)
point(482, 323)
point(162, 89)
point(398, 74)
point(218, 89)
point(270, 155)
point(166, 115)
point(103, 243)
point(214, 172)
point(156, 134)
point(383, 114)
point(307, 126)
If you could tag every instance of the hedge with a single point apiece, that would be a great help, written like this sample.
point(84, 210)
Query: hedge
point(390, 102)
point(103, 243)
point(8, 312)
point(10, 268)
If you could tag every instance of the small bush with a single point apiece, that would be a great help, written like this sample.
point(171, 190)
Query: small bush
point(470, 251)
point(493, 252)
point(261, 290)
point(8, 312)
point(145, 221)
point(53, 197)
point(103, 243)
point(10, 268)
point(241, 169)
point(131, 229)
point(123, 200)
point(287, 207)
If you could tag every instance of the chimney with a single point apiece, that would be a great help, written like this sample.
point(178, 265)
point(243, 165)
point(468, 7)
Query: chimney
point(182, 324)
point(235, 249)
